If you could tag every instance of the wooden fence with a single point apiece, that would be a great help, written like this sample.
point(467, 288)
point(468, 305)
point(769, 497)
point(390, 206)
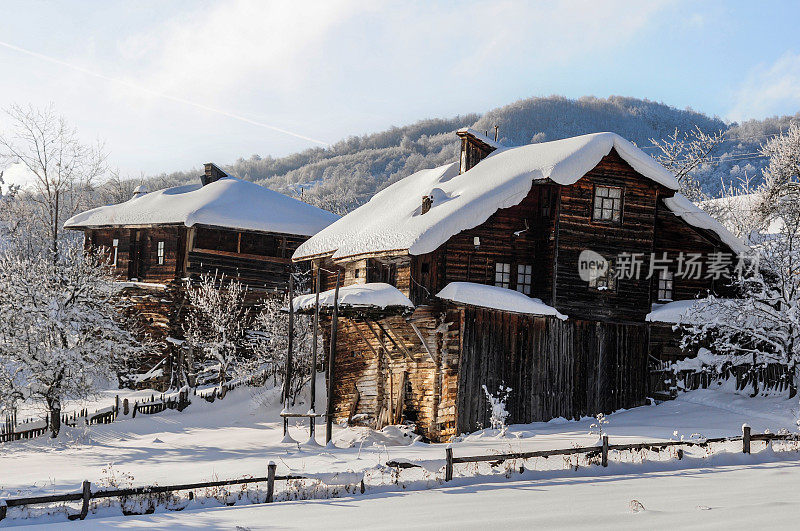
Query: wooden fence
point(776, 377)
point(602, 450)
point(86, 494)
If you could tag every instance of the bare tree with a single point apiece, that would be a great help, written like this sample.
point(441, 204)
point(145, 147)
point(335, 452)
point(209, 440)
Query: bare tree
point(683, 153)
point(63, 168)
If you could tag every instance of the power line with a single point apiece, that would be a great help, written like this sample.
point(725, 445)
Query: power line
point(161, 94)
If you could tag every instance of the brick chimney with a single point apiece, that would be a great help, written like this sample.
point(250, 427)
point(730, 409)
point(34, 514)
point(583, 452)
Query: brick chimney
point(427, 201)
point(212, 174)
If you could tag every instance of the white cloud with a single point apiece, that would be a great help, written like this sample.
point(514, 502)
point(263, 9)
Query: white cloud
point(769, 90)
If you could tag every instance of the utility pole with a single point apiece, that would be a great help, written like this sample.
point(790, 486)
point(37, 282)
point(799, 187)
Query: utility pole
point(331, 362)
point(312, 420)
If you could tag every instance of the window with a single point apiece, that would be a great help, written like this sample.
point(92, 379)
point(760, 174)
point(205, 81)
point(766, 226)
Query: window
point(356, 273)
point(546, 200)
point(160, 251)
point(664, 285)
point(524, 277)
point(607, 281)
point(115, 245)
point(607, 204)
point(502, 274)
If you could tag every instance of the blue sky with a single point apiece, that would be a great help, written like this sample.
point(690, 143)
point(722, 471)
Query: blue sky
point(170, 85)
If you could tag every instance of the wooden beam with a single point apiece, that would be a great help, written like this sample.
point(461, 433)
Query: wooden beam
point(377, 337)
point(422, 340)
point(364, 338)
point(400, 346)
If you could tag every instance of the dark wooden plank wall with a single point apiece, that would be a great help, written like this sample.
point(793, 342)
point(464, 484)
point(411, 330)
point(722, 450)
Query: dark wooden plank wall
point(576, 232)
point(503, 238)
point(149, 270)
point(555, 368)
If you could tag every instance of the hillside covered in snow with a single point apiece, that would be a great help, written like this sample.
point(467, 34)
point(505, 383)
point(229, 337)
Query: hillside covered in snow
point(346, 174)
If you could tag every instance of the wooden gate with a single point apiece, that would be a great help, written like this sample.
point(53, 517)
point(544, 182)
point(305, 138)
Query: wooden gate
point(554, 368)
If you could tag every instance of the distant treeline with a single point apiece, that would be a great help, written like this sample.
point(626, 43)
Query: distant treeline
point(346, 174)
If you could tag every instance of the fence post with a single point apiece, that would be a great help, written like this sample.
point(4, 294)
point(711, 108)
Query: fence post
point(448, 468)
point(271, 481)
point(87, 495)
point(745, 439)
point(135, 407)
point(125, 407)
point(605, 451)
point(3, 509)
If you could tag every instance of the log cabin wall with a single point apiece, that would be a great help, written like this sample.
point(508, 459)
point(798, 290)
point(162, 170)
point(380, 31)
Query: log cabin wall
point(554, 368)
point(577, 231)
point(522, 235)
point(384, 374)
point(673, 236)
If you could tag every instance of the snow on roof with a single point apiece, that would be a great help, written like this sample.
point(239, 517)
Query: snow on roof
point(497, 298)
point(686, 312)
point(392, 219)
point(370, 295)
point(695, 216)
point(228, 202)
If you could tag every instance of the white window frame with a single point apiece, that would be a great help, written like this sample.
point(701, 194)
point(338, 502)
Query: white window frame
point(607, 204)
point(115, 245)
point(665, 285)
point(160, 252)
point(502, 274)
point(524, 278)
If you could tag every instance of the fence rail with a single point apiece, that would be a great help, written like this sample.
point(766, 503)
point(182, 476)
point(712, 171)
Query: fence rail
point(602, 450)
point(9, 429)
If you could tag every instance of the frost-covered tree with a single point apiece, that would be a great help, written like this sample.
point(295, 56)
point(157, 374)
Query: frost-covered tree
point(270, 344)
point(61, 333)
point(683, 153)
point(217, 322)
point(763, 324)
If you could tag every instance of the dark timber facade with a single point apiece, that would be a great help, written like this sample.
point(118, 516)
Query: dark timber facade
point(430, 366)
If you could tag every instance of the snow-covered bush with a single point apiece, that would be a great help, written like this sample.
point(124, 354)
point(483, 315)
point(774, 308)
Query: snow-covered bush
point(497, 403)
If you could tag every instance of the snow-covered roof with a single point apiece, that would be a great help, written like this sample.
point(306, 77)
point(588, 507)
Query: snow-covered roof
point(496, 298)
point(371, 295)
point(228, 202)
point(392, 219)
point(693, 215)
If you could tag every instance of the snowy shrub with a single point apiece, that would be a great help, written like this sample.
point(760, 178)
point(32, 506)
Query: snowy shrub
point(497, 403)
point(596, 427)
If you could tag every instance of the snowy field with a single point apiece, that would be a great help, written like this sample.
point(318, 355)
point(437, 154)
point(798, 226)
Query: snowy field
point(239, 435)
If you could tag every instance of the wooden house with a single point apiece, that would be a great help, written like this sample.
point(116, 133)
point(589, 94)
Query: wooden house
point(488, 253)
point(220, 226)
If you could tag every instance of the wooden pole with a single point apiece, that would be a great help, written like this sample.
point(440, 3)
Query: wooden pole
point(288, 372)
point(448, 468)
point(87, 495)
point(745, 439)
point(331, 362)
point(312, 420)
point(605, 450)
point(271, 481)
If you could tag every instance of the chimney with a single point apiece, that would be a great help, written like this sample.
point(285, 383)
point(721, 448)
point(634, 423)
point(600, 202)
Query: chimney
point(427, 201)
point(139, 191)
point(474, 147)
point(212, 174)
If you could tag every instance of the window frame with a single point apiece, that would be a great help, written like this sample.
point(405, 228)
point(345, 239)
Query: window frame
point(667, 291)
point(606, 283)
point(160, 252)
point(504, 280)
point(522, 276)
point(621, 209)
point(115, 246)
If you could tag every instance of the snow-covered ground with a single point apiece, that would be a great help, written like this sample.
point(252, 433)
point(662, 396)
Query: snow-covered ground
point(239, 435)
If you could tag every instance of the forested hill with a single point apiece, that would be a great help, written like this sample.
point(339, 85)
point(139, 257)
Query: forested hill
point(349, 172)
